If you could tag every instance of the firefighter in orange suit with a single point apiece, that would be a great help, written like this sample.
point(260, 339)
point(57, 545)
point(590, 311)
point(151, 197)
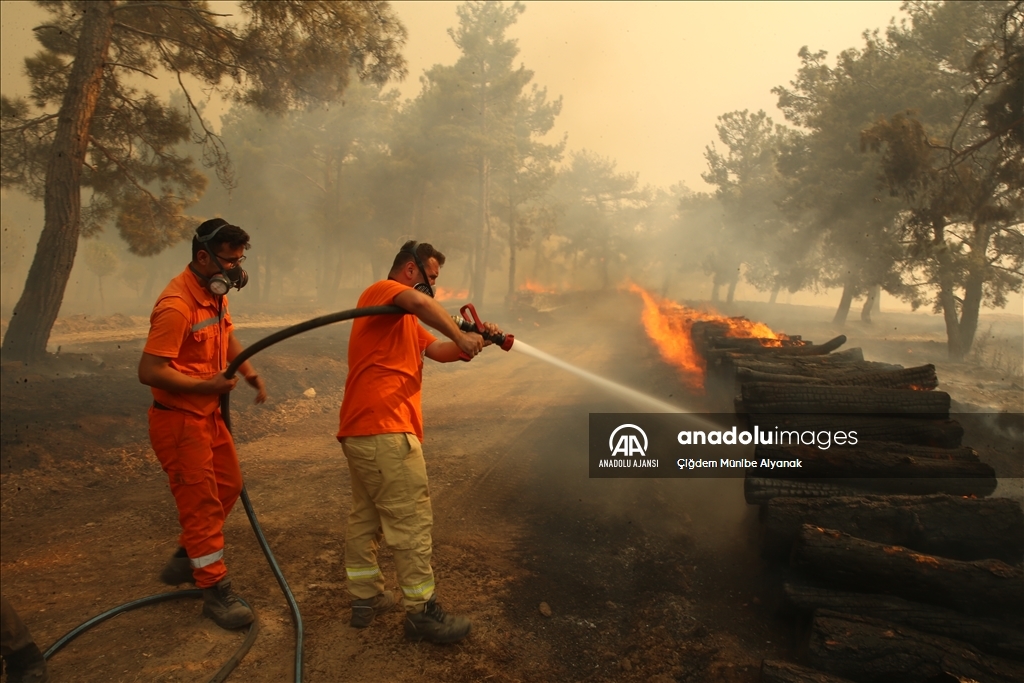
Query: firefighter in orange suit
point(190, 344)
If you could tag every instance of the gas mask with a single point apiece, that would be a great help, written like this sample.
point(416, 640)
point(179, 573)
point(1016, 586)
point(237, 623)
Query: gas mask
point(424, 286)
point(220, 283)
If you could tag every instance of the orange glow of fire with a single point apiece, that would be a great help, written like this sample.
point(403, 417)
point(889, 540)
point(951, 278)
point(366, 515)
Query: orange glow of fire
point(535, 288)
point(668, 325)
point(442, 294)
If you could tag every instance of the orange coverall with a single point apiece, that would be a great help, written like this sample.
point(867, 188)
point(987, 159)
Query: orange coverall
point(191, 326)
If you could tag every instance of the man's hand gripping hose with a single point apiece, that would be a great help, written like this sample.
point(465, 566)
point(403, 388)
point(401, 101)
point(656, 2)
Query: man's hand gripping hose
point(469, 321)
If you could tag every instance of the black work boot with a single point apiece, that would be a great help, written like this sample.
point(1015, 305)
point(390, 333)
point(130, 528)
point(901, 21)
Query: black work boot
point(223, 606)
point(178, 570)
point(363, 611)
point(26, 666)
point(435, 625)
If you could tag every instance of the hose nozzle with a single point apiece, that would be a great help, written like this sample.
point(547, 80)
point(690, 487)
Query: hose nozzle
point(469, 321)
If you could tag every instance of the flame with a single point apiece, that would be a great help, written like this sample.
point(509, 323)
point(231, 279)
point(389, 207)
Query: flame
point(535, 288)
point(442, 294)
point(668, 325)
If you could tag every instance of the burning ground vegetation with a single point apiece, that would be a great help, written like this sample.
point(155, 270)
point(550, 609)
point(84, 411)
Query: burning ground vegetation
point(565, 578)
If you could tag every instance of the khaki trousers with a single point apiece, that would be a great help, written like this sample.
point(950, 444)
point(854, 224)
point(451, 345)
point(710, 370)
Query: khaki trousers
point(390, 499)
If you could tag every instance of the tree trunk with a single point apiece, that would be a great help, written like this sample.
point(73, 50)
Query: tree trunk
point(103, 303)
point(866, 649)
point(956, 527)
point(907, 430)
point(780, 398)
point(870, 303)
point(989, 635)
point(784, 672)
point(731, 293)
point(946, 296)
point(981, 587)
point(844, 305)
point(973, 289)
point(47, 280)
point(482, 233)
point(775, 294)
point(714, 289)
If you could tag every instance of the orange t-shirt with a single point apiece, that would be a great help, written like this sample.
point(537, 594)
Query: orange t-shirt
point(191, 327)
point(385, 369)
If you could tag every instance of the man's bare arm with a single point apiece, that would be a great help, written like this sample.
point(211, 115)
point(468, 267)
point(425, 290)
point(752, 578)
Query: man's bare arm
point(434, 315)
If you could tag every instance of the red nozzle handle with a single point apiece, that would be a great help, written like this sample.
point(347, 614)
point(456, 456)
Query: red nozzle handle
point(469, 313)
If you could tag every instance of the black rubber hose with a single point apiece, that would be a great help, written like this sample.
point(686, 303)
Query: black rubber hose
point(338, 317)
point(225, 409)
point(221, 674)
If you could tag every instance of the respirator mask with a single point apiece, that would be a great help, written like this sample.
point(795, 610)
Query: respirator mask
point(424, 286)
point(220, 283)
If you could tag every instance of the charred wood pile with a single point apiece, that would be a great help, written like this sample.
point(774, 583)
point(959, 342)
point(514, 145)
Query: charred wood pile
point(901, 566)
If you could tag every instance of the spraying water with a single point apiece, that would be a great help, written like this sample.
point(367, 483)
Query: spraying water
point(648, 403)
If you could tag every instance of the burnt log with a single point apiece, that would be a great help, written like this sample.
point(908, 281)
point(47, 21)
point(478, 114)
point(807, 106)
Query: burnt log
point(952, 526)
point(773, 397)
point(978, 587)
point(802, 366)
point(866, 649)
point(899, 429)
point(805, 350)
point(866, 468)
point(725, 364)
point(988, 635)
point(778, 351)
point(755, 343)
point(842, 361)
point(761, 490)
point(921, 378)
point(785, 672)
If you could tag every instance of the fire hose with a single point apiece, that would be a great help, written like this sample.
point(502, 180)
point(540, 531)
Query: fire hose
point(467, 322)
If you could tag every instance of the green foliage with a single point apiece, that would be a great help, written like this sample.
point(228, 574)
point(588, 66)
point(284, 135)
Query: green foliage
point(286, 54)
point(749, 188)
point(602, 210)
point(961, 181)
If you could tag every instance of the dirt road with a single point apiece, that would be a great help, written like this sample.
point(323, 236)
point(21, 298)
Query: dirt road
point(646, 580)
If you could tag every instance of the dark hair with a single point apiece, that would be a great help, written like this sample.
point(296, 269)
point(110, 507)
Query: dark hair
point(232, 235)
point(423, 250)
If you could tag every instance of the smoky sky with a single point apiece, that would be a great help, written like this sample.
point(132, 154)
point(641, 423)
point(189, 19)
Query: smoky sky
point(642, 83)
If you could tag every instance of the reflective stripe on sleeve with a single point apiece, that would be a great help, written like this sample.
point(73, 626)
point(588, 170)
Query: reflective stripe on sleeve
point(422, 590)
point(200, 562)
point(361, 573)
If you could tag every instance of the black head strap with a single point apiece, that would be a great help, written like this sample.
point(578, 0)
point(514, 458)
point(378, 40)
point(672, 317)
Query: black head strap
point(426, 288)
